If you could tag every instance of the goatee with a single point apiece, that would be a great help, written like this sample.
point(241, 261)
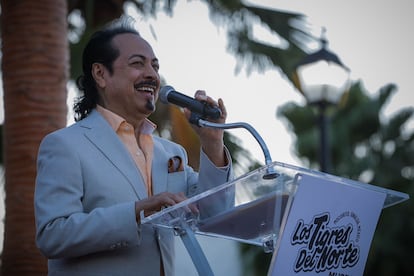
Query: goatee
point(150, 105)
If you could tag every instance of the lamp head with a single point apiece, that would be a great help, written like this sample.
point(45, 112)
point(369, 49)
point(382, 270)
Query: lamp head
point(322, 77)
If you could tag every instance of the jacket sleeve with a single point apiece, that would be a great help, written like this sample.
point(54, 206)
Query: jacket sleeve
point(210, 177)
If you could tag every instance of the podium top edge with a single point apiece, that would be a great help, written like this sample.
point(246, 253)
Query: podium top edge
point(392, 197)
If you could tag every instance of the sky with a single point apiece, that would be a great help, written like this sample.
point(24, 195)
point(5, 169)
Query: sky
point(372, 38)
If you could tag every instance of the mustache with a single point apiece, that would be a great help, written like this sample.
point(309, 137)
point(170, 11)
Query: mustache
point(147, 83)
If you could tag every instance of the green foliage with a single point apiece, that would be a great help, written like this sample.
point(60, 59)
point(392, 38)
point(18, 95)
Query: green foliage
point(255, 260)
point(259, 55)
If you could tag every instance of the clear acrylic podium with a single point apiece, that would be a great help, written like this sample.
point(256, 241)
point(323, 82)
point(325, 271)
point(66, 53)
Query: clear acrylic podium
point(260, 202)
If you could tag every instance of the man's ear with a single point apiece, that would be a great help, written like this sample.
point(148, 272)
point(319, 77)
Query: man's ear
point(98, 72)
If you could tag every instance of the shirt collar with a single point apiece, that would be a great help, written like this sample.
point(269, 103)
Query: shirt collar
point(115, 121)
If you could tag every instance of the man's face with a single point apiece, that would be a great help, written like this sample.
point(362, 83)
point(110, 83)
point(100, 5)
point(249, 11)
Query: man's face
point(132, 89)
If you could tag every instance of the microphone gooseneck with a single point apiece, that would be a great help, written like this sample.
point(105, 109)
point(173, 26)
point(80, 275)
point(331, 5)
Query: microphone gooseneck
point(270, 172)
point(202, 110)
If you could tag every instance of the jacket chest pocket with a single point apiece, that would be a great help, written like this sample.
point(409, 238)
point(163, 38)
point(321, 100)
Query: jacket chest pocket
point(176, 182)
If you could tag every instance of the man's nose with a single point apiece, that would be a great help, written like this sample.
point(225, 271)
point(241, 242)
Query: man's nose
point(151, 72)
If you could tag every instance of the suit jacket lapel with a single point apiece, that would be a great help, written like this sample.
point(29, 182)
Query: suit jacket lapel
point(100, 133)
point(159, 169)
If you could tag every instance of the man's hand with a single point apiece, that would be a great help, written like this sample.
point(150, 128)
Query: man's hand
point(156, 203)
point(211, 139)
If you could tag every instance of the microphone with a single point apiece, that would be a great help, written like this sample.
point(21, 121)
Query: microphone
point(169, 95)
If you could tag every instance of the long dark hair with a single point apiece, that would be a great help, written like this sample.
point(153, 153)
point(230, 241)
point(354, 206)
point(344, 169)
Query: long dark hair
point(98, 50)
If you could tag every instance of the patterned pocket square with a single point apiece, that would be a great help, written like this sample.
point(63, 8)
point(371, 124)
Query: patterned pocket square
point(175, 164)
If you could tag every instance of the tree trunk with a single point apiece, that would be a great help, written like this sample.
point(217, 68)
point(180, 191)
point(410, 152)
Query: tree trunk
point(35, 72)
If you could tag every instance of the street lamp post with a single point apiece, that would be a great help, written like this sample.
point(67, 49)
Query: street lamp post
point(322, 79)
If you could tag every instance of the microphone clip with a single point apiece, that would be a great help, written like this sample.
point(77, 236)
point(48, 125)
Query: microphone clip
point(195, 118)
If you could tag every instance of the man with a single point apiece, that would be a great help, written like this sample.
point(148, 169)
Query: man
point(98, 177)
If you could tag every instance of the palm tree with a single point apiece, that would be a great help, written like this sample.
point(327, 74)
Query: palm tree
point(35, 73)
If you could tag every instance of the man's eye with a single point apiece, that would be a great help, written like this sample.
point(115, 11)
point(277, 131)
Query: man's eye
point(138, 62)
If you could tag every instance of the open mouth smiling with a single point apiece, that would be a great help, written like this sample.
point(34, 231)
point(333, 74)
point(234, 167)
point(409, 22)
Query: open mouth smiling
point(149, 87)
point(145, 89)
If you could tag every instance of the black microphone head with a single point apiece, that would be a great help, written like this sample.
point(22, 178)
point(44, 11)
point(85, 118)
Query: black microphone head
point(164, 91)
point(168, 95)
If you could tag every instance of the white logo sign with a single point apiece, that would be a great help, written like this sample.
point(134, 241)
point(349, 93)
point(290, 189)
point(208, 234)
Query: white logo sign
point(329, 229)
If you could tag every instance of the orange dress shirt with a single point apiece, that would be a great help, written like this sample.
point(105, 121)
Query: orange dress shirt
point(140, 147)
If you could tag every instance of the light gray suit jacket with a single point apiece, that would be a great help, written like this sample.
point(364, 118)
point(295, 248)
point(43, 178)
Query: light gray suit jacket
point(86, 187)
